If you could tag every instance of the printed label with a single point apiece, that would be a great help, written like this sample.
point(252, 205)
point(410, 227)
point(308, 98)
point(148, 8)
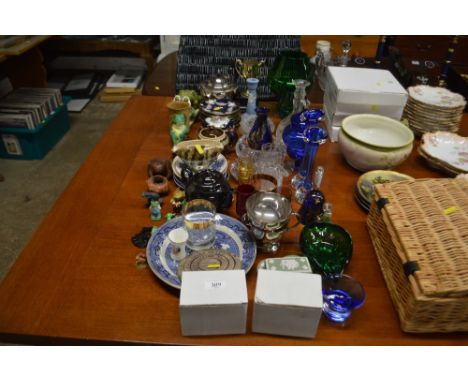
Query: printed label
point(450, 210)
point(12, 145)
point(215, 284)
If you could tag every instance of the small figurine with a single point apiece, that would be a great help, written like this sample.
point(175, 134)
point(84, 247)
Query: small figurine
point(169, 216)
point(179, 129)
point(141, 261)
point(155, 209)
point(178, 201)
point(150, 196)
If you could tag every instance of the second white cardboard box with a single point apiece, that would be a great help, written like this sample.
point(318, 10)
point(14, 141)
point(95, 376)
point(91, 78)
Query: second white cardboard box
point(287, 303)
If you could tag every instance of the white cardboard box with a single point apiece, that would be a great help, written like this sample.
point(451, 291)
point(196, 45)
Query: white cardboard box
point(361, 90)
point(287, 303)
point(213, 302)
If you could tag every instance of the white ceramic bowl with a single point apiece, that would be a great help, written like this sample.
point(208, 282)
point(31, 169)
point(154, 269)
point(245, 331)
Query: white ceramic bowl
point(364, 157)
point(378, 131)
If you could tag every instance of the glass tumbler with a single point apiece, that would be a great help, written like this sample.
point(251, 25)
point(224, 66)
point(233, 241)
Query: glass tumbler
point(200, 222)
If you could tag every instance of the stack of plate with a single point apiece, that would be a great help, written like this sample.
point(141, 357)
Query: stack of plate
point(445, 151)
point(220, 164)
point(364, 188)
point(432, 109)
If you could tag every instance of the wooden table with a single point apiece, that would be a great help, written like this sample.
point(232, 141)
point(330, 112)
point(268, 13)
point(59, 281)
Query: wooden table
point(76, 281)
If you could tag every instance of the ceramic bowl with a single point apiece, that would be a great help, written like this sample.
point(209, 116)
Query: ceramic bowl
point(378, 131)
point(365, 157)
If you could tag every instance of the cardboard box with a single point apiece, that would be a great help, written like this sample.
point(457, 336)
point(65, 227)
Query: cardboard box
point(361, 90)
point(287, 303)
point(213, 302)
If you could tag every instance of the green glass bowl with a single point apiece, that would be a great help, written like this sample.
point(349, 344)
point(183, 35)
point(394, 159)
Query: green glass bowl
point(328, 247)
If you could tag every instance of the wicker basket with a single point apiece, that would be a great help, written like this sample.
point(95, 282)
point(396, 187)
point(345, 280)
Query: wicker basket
point(419, 230)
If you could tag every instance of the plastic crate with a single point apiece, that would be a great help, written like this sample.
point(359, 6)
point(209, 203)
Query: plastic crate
point(20, 143)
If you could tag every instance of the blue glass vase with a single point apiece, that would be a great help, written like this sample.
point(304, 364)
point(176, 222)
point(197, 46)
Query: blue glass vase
point(293, 135)
point(260, 133)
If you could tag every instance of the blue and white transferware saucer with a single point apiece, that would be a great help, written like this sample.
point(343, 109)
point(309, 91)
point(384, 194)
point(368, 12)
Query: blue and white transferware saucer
point(231, 235)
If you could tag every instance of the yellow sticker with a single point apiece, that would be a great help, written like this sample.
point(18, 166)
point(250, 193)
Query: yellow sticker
point(378, 83)
point(213, 265)
point(199, 149)
point(450, 210)
point(373, 108)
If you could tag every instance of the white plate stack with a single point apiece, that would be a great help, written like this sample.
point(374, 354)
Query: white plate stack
point(445, 151)
point(432, 109)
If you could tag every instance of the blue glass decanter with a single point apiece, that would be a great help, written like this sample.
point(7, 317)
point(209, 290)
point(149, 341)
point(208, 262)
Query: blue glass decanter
point(313, 137)
point(312, 206)
point(260, 133)
point(293, 135)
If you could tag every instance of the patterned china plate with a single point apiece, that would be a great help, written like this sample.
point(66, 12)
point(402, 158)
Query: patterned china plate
point(367, 181)
point(445, 147)
point(231, 235)
point(220, 164)
point(436, 96)
point(360, 200)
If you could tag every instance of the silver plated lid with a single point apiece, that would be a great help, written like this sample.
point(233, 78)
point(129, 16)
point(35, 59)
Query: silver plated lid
point(219, 86)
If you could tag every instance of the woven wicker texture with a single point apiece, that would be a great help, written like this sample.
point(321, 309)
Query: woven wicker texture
point(426, 222)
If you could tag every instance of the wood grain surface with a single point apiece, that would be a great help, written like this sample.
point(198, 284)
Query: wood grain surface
point(76, 281)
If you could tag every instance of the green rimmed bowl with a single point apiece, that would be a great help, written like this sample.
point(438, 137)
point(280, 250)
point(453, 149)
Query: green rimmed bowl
point(377, 131)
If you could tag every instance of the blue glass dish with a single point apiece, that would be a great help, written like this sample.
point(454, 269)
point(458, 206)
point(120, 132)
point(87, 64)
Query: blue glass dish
point(340, 297)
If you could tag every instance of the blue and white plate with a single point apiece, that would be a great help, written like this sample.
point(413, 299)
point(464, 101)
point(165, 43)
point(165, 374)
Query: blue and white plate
point(231, 235)
point(220, 164)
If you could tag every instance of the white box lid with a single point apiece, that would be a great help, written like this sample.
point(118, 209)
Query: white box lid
point(365, 80)
point(213, 288)
point(289, 289)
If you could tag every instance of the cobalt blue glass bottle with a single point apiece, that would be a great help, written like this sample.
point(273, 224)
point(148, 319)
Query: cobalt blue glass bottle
point(293, 135)
point(312, 206)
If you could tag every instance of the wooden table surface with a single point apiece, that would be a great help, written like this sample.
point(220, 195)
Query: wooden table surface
point(76, 281)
